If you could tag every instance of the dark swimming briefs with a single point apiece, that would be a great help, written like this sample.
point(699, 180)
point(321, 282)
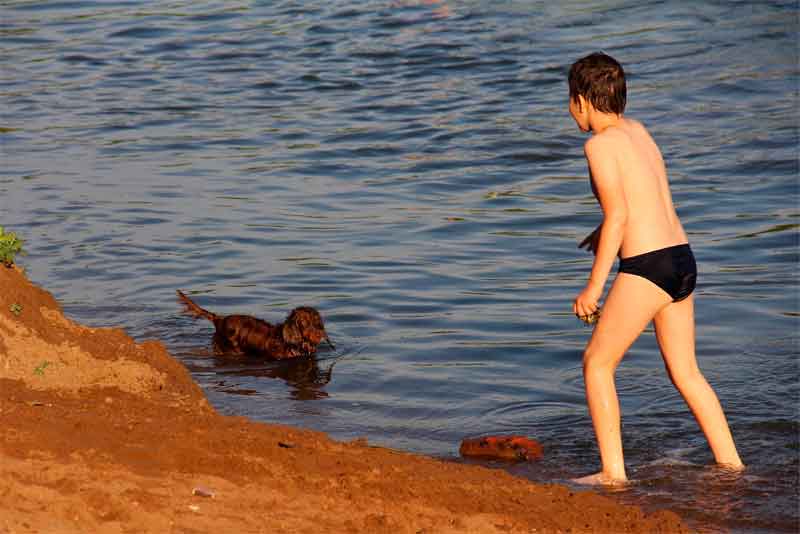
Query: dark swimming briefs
point(672, 269)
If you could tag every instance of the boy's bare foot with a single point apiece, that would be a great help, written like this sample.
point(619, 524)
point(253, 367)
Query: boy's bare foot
point(600, 479)
point(736, 468)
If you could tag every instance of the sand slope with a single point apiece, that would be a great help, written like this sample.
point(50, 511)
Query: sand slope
point(101, 434)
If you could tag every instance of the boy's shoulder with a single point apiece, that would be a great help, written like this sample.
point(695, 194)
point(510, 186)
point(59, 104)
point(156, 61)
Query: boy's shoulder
point(604, 143)
point(614, 139)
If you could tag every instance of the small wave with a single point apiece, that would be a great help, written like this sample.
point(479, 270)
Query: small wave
point(141, 32)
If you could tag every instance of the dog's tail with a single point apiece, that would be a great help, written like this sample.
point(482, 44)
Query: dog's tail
point(194, 309)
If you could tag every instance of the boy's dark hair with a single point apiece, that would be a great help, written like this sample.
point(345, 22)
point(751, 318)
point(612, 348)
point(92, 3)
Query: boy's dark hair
point(599, 78)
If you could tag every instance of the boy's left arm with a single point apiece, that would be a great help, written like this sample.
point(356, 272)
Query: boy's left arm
point(608, 186)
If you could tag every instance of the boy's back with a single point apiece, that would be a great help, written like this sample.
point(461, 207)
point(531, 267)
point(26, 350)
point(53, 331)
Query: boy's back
point(652, 223)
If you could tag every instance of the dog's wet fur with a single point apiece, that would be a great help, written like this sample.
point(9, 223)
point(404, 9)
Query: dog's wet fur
point(298, 335)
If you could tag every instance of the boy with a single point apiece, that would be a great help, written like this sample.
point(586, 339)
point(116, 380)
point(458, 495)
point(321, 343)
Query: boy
point(657, 271)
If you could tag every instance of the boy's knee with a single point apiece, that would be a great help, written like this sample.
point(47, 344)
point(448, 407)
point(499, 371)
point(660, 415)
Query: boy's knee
point(596, 361)
point(687, 376)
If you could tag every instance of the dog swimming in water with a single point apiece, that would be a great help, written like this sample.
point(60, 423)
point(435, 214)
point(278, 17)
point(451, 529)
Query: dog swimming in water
point(298, 335)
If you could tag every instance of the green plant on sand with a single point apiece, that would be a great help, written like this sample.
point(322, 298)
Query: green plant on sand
point(10, 246)
point(39, 370)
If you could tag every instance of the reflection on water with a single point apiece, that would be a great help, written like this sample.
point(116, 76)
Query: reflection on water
point(409, 168)
point(304, 376)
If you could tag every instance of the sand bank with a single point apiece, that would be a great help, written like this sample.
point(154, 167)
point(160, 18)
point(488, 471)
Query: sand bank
point(103, 434)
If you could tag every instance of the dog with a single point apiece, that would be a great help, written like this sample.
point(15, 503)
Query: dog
point(299, 335)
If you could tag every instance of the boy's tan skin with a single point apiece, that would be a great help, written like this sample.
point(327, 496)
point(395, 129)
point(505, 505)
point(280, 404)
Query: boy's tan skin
point(629, 180)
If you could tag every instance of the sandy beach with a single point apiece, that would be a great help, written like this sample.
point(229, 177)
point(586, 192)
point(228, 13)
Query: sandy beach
point(103, 434)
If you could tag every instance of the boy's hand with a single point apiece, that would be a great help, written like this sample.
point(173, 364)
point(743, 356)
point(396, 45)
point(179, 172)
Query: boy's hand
point(591, 241)
point(586, 303)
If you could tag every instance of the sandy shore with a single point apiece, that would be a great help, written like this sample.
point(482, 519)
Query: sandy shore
point(101, 434)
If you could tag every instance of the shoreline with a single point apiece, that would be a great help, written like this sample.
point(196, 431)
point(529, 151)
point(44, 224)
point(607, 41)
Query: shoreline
point(104, 434)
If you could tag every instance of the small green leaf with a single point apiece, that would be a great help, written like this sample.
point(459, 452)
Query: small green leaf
point(42, 366)
point(15, 308)
point(10, 245)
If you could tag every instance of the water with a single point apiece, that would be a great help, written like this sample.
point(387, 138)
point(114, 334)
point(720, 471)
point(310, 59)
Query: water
point(410, 168)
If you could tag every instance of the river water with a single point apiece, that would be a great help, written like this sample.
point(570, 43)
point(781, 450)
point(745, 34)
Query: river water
point(410, 168)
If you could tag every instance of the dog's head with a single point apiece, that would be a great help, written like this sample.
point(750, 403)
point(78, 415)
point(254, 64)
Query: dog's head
point(303, 328)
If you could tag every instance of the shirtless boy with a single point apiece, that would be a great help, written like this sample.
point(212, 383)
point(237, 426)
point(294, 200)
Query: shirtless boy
point(657, 270)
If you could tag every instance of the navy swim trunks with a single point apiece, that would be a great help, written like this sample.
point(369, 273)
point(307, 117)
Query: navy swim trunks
point(673, 269)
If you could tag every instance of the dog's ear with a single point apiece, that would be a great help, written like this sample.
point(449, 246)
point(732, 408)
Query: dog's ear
point(292, 331)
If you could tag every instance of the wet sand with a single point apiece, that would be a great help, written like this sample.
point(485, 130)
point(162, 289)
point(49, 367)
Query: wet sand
point(103, 434)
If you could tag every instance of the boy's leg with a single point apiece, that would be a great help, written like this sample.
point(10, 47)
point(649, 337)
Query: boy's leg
point(675, 333)
point(631, 303)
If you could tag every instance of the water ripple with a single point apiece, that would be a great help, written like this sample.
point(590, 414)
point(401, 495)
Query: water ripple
point(410, 169)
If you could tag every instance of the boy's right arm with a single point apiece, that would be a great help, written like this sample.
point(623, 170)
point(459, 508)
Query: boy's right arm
point(600, 154)
point(608, 184)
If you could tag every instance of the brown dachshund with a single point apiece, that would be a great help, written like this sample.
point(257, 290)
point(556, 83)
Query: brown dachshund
point(298, 335)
